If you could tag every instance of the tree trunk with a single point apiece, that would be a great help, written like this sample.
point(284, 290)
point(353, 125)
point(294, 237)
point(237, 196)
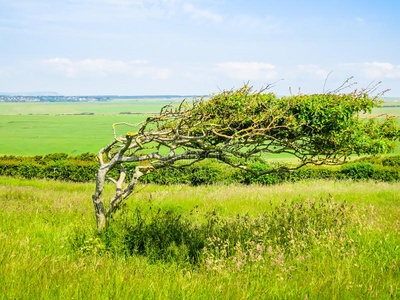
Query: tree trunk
point(97, 200)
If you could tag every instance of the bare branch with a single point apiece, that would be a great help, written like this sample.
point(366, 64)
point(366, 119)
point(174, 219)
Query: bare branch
point(326, 79)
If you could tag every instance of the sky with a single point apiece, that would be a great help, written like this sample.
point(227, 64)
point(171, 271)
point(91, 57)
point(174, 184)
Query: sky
point(197, 47)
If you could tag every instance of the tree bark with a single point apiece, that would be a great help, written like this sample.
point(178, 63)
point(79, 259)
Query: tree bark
point(97, 200)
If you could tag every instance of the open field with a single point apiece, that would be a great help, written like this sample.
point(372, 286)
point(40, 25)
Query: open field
point(391, 106)
point(43, 128)
point(99, 108)
point(38, 135)
point(39, 219)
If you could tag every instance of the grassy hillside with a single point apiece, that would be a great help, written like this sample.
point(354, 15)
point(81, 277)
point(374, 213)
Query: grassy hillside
point(356, 256)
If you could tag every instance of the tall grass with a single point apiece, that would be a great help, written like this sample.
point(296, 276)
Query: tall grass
point(333, 240)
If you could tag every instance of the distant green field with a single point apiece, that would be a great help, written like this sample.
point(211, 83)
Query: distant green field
point(98, 108)
point(390, 108)
point(42, 128)
point(38, 135)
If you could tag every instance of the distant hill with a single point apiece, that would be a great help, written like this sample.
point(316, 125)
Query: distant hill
point(391, 99)
point(32, 94)
point(60, 98)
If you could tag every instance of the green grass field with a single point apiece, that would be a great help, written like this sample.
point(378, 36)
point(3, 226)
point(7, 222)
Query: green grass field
point(391, 106)
point(43, 128)
point(98, 108)
point(355, 257)
point(38, 135)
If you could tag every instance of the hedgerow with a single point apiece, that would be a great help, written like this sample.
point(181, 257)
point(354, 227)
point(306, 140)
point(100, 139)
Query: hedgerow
point(83, 167)
point(58, 166)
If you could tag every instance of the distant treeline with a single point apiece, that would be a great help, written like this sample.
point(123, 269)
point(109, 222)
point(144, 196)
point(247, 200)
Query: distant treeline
point(15, 98)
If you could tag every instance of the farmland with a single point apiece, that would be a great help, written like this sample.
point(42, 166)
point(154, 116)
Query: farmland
point(73, 128)
point(37, 135)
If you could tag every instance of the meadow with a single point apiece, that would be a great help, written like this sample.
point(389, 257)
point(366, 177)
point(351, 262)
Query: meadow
point(347, 249)
point(75, 128)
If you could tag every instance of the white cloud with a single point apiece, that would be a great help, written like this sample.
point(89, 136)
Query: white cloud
point(253, 24)
point(104, 67)
point(377, 70)
point(139, 61)
point(201, 14)
point(313, 70)
point(249, 70)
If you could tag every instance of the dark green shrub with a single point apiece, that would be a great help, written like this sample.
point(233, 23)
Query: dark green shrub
point(9, 167)
point(249, 178)
point(54, 166)
point(316, 172)
point(390, 174)
point(29, 170)
point(168, 175)
point(392, 161)
point(375, 160)
point(59, 170)
point(359, 170)
point(206, 173)
point(82, 171)
point(55, 157)
point(90, 157)
point(11, 157)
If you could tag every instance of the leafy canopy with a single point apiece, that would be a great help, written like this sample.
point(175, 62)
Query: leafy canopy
point(317, 128)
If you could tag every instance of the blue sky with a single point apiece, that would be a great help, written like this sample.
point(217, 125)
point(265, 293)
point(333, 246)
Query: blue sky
point(154, 47)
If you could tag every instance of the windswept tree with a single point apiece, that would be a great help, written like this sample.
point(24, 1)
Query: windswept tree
point(238, 126)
